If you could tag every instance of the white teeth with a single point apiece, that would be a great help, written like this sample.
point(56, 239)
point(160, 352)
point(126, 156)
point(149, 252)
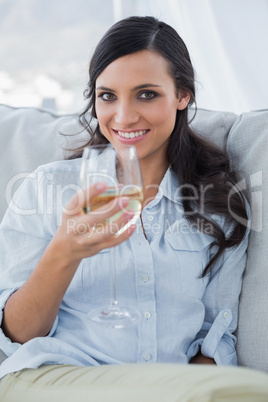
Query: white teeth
point(132, 134)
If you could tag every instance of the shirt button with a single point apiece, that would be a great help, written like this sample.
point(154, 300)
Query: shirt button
point(225, 314)
point(150, 218)
point(147, 356)
point(145, 278)
point(147, 315)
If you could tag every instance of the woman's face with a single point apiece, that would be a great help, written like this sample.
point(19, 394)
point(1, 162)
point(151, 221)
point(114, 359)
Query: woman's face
point(137, 102)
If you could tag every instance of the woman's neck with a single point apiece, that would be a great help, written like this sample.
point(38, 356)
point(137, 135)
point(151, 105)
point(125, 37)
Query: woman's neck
point(152, 176)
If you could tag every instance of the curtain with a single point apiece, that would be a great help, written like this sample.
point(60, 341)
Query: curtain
point(227, 41)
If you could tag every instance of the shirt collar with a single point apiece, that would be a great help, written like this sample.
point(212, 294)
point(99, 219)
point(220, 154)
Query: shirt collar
point(169, 188)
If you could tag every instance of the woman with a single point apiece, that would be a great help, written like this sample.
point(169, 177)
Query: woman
point(185, 277)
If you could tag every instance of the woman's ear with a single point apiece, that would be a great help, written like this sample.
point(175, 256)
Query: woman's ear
point(183, 100)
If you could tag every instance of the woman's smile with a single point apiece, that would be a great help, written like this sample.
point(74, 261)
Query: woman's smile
point(131, 137)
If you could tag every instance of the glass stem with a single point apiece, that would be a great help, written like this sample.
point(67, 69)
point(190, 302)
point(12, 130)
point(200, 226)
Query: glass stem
point(113, 296)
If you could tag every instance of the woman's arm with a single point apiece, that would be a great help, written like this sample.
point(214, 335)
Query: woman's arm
point(31, 311)
point(221, 300)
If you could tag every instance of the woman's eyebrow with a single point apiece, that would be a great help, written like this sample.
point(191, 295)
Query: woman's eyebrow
point(104, 89)
point(149, 85)
point(142, 86)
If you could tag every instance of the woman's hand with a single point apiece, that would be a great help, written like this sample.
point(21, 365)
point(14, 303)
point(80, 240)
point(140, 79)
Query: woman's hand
point(200, 359)
point(84, 235)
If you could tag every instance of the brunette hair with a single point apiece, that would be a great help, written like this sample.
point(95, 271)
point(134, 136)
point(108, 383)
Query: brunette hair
point(196, 162)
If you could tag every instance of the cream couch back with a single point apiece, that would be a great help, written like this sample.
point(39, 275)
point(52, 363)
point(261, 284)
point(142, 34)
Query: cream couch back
point(30, 137)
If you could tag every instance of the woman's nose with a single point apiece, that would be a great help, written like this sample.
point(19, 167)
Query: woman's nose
point(126, 114)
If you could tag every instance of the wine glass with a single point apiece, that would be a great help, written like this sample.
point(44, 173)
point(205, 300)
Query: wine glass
point(120, 170)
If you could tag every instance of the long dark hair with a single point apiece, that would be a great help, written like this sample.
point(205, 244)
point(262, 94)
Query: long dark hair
point(198, 163)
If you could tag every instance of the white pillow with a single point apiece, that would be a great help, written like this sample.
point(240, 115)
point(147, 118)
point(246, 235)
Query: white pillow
point(29, 137)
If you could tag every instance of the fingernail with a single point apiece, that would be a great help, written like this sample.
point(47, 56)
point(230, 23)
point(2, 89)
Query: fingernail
point(123, 201)
point(130, 214)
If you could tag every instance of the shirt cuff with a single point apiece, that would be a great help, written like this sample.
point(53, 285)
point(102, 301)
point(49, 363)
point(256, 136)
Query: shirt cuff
point(6, 345)
point(216, 343)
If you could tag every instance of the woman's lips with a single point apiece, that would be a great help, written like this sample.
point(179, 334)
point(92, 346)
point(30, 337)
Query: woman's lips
point(131, 136)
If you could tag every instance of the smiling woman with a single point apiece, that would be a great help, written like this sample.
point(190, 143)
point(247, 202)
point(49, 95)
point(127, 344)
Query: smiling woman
point(185, 278)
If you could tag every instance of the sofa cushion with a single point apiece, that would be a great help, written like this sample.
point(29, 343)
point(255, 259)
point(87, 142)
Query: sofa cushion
point(214, 126)
point(248, 146)
point(29, 137)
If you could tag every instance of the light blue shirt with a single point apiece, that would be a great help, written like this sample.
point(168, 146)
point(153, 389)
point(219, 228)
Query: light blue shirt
point(160, 276)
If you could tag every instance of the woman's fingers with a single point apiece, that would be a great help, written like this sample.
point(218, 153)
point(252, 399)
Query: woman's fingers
point(96, 241)
point(114, 226)
point(88, 233)
point(83, 198)
point(92, 239)
point(102, 227)
point(115, 240)
point(102, 214)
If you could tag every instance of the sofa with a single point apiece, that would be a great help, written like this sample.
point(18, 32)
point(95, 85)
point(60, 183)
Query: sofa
point(30, 137)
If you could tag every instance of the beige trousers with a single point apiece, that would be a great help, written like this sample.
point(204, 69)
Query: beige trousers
point(135, 383)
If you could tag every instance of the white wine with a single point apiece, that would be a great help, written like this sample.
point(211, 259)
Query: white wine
point(135, 195)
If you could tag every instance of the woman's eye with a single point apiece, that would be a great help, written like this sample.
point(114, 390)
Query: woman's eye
point(147, 95)
point(107, 96)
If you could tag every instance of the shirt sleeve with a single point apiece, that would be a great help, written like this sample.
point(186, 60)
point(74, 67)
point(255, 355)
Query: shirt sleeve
point(216, 338)
point(23, 239)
